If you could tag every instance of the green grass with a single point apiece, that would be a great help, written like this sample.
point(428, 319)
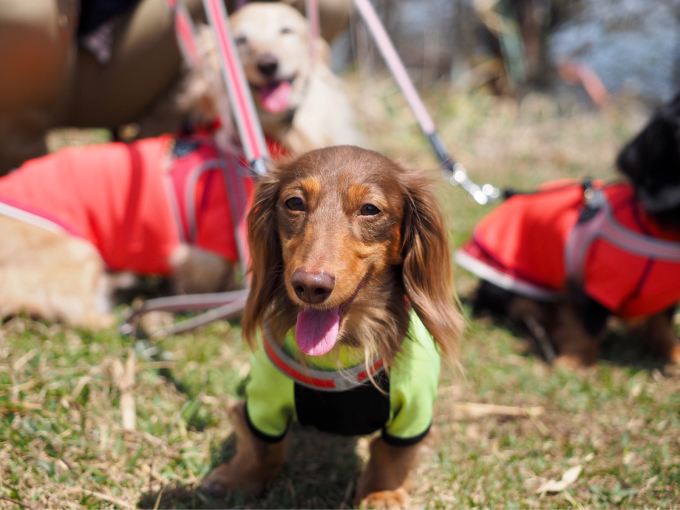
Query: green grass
point(62, 444)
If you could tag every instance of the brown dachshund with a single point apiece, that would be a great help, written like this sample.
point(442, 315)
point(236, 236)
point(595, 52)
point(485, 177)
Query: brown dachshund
point(352, 289)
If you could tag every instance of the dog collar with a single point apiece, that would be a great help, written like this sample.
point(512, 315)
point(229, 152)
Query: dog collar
point(335, 380)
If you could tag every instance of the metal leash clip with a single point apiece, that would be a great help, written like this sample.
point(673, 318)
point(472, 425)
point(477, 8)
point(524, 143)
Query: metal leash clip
point(484, 194)
point(456, 174)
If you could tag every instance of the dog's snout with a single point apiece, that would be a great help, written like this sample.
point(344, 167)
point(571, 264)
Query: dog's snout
point(312, 288)
point(268, 64)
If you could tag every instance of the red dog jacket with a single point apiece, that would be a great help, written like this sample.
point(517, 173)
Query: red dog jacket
point(135, 202)
point(534, 244)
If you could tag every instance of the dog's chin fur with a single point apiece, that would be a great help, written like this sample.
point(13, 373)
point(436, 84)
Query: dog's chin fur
point(379, 318)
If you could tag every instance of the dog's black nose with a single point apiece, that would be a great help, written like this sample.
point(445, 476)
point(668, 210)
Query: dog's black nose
point(312, 288)
point(268, 64)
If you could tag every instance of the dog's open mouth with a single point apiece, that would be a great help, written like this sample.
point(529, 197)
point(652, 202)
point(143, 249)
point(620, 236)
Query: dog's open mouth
point(316, 331)
point(276, 96)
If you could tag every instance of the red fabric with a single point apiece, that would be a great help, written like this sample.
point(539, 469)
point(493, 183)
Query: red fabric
point(110, 194)
point(525, 238)
point(114, 196)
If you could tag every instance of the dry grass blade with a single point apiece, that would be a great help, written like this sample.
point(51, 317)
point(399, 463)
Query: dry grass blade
point(541, 336)
point(125, 378)
point(569, 477)
point(476, 409)
point(17, 407)
point(18, 364)
point(158, 499)
point(103, 497)
point(23, 505)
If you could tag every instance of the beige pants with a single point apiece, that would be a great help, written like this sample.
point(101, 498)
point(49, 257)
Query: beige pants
point(47, 81)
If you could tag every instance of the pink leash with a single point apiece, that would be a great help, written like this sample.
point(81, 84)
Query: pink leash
point(185, 31)
point(229, 304)
point(454, 172)
point(241, 100)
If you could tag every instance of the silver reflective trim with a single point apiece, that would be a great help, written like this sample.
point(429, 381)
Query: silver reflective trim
point(30, 218)
point(504, 281)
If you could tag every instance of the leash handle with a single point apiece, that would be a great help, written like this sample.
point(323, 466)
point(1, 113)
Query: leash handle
point(245, 115)
point(455, 173)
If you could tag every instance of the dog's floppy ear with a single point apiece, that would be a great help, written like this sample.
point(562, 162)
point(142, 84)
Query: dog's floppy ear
point(427, 273)
point(266, 264)
point(323, 51)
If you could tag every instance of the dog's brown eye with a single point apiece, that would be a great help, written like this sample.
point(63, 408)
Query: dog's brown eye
point(369, 210)
point(286, 30)
point(295, 204)
point(241, 39)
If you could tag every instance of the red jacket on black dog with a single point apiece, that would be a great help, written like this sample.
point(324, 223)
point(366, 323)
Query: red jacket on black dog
point(569, 256)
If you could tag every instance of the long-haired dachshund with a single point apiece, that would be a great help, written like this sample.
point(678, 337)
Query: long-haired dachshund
point(351, 305)
point(564, 259)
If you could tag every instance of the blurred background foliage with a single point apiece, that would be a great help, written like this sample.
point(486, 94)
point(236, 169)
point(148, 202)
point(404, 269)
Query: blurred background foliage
point(515, 46)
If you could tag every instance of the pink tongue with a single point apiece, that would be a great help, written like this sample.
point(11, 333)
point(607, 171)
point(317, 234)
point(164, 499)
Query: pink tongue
point(275, 98)
point(316, 332)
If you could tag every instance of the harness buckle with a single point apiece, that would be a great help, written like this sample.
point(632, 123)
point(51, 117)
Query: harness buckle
point(592, 201)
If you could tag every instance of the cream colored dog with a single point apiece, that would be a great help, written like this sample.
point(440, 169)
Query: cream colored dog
point(299, 101)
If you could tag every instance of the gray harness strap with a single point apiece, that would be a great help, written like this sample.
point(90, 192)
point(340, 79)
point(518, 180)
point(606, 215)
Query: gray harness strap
point(604, 226)
point(190, 195)
point(233, 175)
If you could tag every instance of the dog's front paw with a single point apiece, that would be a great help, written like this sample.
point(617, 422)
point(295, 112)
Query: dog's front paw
point(97, 321)
point(225, 478)
point(386, 500)
point(219, 481)
point(572, 362)
point(674, 354)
